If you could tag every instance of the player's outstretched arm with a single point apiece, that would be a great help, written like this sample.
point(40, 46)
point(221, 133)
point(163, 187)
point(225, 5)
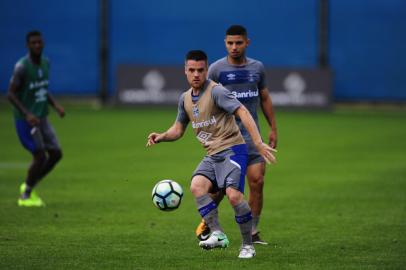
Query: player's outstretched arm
point(267, 109)
point(265, 150)
point(172, 134)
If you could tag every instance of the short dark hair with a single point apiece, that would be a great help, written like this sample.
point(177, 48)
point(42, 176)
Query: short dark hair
point(236, 30)
point(32, 33)
point(197, 55)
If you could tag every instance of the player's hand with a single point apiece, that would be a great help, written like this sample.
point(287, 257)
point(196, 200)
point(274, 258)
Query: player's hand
point(60, 110)
point(152, 139)
point(273, 139)
point(267, 153)
point(32, 119)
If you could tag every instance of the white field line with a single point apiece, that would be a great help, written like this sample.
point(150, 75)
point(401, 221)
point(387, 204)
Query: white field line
point(14, 165)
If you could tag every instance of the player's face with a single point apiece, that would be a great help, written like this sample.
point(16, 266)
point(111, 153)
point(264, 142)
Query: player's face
point(196, 73)
point(236, 45)
point(35, 45)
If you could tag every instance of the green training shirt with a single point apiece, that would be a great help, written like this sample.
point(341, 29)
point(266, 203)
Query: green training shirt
point(32, 83)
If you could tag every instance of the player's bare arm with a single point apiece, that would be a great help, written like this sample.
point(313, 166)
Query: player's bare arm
point(12, 96)
point(172, 134)
point(59, 109)
point(267, 109)
point(265, 150)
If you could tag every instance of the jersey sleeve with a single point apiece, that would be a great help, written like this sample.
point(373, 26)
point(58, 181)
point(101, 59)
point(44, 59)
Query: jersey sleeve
point(18, 75)
point(182, 116)
point(212, 73)
point(224, 99)
point(262, 77)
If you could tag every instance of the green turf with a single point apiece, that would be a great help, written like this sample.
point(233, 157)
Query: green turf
point(335, 200)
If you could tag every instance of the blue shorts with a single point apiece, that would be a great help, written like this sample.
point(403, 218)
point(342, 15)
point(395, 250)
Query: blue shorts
point(40, 137)
point(253, 155)
point(226, 168)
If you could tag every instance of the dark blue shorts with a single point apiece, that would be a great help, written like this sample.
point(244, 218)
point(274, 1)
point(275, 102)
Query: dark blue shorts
point(41, 137)
point(253, 155)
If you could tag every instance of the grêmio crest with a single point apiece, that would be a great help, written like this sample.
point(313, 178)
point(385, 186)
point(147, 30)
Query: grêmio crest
point(195, 110)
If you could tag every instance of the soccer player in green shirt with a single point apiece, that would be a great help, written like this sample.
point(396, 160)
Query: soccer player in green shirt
point(28, 92)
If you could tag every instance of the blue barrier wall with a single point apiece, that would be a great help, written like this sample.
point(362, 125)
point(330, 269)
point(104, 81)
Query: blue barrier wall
point(71, 41)
point(366, 38)
point(368, 49)
point(147, 34)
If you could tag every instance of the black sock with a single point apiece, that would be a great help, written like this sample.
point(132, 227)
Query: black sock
point(27, 192)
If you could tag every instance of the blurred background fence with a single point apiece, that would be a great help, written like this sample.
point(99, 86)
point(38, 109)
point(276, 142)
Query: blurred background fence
point(353, 50)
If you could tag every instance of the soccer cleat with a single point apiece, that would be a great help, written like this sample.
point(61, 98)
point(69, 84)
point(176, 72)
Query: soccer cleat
point(202, 231)
point(30, 202)
point(33, 201)
point(22, 188)
point(216, 240)
point(247, 252)
point(257, 240)
point(34, 196)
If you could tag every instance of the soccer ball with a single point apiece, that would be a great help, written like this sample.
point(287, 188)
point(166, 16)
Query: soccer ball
point(167, 195)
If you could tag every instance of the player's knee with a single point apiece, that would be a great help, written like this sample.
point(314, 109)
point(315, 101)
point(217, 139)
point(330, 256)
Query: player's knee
point(235, 197)
point(40, 156)
point(197, 189)
point(257, 181)
point(55, 155)
point(235, 200)
point(200, 186)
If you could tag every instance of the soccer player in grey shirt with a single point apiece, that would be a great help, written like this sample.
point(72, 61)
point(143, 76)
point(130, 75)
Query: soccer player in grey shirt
point(211, 109)
point(245, 78)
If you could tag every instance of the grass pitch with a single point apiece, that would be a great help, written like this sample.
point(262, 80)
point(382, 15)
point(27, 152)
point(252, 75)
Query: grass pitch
point(335, 200)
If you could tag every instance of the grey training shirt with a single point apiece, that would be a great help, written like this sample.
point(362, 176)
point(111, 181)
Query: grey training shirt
point(244, 81)
point(223, 99)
